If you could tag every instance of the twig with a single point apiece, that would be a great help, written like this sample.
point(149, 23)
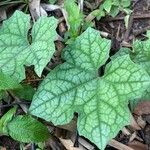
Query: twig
point(86, 144)
point(49, 7)
point(34, 7)
point(76, 143)
point(3, 14)
point(98, 2)
point(118, 31)
point(68, 144)
point(80, 2)
point(32, 80)
point(128, 31)
point(140, 31)
point(119, 145)
point(125, 131)
point(12, 104)
point(134, 124)
point(83, 143)
point(36, 10)
point(135, 3)
point(33, 146)
point(142, 16)
point(126, 44)
point(23, 106)
point(105, 34)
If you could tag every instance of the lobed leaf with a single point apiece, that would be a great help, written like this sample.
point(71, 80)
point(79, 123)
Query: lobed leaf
point(16, 50)
point(138, 55)
point(141, 55)
point(75, 86)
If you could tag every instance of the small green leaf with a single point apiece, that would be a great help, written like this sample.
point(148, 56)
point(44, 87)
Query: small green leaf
point(74, 18)
point(5, 119)
point(16, 50)
point(98, 13)
point(26, 92)
point(101, 102)
point(7, 82)
point(113, 7)
point(107, 5)
point(27, 129)
point(116, 2)
point(52, 1)
point(114, 11)
point(125, 3)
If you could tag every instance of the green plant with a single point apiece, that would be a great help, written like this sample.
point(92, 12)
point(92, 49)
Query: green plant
point(74, 18)
point(112, 7)
point(101, 101)
point(77, 23)
point(16, 51)
point(75, 86)
point(23, 128)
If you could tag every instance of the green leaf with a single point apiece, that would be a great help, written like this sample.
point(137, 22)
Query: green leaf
point(26, 92)
point(27, 129)
point(116, 2)
point(114, 11)
point(125, 3)
point(141, 51)
point(74, 17)
point(141, 55)
point(52, 1)
point(16, 50)
point(123, 51)
point(5, 119)
point(75, 86)
point(107, 5)
point(113, 7)
point(7, 82)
